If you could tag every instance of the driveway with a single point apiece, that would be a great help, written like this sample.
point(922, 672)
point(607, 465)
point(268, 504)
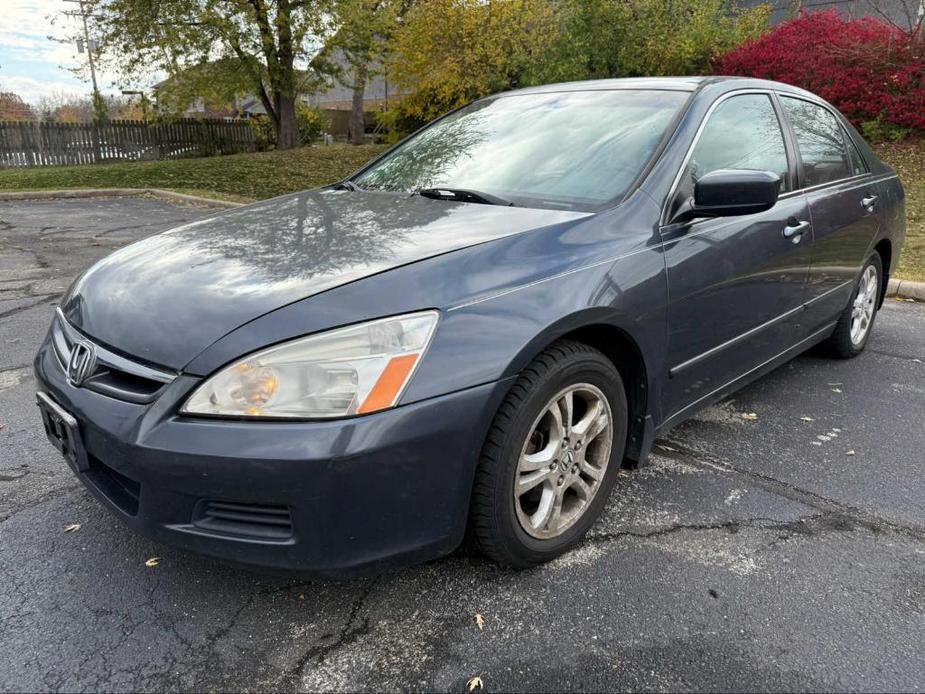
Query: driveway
point(776, 553)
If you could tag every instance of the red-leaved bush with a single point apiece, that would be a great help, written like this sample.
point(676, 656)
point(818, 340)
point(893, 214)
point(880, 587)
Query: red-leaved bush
point(868, 69)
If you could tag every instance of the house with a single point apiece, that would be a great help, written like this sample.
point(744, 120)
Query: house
point(903, 13)
point(330, 93)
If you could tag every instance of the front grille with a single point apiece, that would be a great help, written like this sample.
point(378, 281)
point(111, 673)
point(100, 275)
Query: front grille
point(258, 521)
point(122, 491)
point(113, 374)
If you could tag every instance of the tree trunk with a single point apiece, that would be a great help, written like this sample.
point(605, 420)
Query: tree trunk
point(287, 131)
point(357, 116)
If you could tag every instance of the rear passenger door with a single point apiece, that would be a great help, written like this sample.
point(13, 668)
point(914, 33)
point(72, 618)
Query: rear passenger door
point(735, 284)
point(843, 206)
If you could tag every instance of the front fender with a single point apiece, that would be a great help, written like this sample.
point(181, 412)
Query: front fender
point(497, 337)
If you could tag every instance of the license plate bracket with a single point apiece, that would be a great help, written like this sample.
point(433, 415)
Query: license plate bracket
point(63, 433)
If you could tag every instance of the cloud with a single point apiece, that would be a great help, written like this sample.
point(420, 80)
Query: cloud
point(32, 90)
point(31, 63)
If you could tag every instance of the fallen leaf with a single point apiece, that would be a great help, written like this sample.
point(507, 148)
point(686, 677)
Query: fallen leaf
point(807, 419)
point(301, 596)
point(851, 452)
point(152, 562)
point(72, 528)
point(836, 390)
point(474, 684)
point(749, 416)
point(479, 621)
point(665, 448)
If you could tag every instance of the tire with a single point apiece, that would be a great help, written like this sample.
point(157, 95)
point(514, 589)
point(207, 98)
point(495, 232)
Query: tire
point(580, 466)
point(850, 339)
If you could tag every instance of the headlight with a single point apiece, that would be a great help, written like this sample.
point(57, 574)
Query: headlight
point(355, 370)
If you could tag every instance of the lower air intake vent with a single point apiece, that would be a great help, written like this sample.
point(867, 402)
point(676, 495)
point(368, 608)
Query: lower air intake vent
point(244, 520)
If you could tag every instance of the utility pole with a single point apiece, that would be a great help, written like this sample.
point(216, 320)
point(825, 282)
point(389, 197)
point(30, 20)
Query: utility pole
point(83, 18)
point(89, 43)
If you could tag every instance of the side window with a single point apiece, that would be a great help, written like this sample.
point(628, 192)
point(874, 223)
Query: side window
point(742, 133)
point(826, 153)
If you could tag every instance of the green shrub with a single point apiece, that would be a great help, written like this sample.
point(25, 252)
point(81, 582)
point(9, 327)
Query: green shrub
point(880, 130)
point(264, 132)
point(311, 121)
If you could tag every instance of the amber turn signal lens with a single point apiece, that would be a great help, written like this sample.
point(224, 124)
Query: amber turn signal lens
point(390, 383)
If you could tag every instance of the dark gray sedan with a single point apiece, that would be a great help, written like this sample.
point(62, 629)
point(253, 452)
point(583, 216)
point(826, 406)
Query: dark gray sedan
point(476, 331)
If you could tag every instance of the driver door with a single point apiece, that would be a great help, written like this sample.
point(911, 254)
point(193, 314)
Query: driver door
point(736, 285)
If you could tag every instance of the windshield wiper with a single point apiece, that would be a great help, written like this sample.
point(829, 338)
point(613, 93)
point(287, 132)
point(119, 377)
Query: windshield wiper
point(463, 195)
point(347, 184)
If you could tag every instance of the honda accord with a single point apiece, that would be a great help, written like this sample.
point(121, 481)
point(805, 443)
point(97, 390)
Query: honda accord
point(474, 332)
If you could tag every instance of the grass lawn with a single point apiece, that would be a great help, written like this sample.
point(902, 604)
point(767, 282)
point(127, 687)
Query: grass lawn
point(908, 158)
point(240, 177)
point(245, 177)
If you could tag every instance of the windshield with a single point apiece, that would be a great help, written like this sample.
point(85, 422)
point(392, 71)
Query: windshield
point(563, 149)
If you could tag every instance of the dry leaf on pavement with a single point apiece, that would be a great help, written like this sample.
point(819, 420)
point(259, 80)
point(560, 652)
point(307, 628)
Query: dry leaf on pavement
point(475, 684)
point(806, 419)
point(479, 621)
point(152, 562)
point(72, 528)
point(749, 416)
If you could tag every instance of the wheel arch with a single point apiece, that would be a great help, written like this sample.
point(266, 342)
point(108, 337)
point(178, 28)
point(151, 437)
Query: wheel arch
point(603, 330)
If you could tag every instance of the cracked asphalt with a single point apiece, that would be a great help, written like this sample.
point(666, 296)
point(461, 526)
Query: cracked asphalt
point(749, 555)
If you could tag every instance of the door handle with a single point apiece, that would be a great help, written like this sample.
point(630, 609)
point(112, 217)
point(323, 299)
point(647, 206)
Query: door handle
point(795, 232)
point(869, 202)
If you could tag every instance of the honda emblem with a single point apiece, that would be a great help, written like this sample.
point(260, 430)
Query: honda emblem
point(82, 363)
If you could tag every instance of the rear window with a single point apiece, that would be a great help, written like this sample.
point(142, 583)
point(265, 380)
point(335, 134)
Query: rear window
point(564, 149)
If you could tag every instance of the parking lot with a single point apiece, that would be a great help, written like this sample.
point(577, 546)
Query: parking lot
point(781, 552)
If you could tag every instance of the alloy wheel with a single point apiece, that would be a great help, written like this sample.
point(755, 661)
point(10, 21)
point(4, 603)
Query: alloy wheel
point(563, 461)
point(865, 304)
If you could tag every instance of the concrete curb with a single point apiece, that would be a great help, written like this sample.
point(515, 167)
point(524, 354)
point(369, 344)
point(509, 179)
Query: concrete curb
point(116, 193)
point(906, 289)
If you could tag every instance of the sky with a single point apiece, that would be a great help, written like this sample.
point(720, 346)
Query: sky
point(31, 64)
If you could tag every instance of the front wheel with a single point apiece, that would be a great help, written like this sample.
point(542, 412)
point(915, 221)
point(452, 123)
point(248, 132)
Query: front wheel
point(551, 457)
point(856, 322)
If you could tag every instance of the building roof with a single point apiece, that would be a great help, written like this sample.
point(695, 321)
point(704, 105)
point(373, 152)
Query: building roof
point(898, 12)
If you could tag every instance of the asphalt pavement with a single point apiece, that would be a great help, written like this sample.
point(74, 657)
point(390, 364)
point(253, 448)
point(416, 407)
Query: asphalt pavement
point(783, 552)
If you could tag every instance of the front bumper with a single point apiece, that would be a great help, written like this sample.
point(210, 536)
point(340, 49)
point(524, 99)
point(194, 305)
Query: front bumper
point(339, 498)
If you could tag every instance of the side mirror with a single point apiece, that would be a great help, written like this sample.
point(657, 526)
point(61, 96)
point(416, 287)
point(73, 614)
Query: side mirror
point(730, 192)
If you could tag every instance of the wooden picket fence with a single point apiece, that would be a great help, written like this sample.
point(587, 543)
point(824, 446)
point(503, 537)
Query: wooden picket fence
point(55, 144)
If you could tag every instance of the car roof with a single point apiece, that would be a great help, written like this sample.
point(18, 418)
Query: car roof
point(683, 84)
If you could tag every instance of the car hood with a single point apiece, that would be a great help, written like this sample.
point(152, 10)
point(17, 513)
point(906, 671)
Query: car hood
point(168, 297)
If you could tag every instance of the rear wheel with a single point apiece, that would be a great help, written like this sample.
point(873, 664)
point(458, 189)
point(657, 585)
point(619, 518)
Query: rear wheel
point(551, 457)
point(856, 322)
